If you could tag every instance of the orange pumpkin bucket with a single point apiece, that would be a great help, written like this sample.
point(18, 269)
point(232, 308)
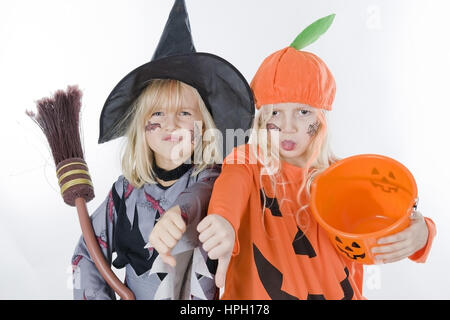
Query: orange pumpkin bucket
point(360, 199)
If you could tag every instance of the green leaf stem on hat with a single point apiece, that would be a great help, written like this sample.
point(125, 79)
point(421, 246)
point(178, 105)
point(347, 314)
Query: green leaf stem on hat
point(311, 33)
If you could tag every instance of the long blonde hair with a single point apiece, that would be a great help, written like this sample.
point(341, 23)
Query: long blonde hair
point(138, 158)
point(319, 154)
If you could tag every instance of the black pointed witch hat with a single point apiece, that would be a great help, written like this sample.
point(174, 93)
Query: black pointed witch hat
point(223, 88)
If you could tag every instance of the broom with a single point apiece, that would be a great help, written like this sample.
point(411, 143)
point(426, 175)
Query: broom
point(58, 117)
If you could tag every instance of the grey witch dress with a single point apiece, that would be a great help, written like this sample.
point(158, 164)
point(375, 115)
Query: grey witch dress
point(123, 223)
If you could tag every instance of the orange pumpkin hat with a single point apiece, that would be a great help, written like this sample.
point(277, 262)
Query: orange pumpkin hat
point(292, 75)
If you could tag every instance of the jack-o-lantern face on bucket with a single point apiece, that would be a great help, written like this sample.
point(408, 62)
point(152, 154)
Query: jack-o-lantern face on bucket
point(361, 199)
point(387, 184)
point(351, 249)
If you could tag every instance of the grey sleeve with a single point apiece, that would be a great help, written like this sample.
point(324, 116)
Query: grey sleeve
point(88, 284)
point(199, 273)
point(194, 202)
point(195, 199)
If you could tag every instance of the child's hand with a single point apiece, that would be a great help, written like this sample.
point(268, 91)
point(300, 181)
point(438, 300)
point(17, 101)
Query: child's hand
point(217, 236)
point(403, 244)
point(166, 233)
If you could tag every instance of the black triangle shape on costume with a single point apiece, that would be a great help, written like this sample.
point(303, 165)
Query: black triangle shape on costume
point(161, 275)
point(315, 297)
point(271, 203)
point(176, 38)
point(271, 278)
point(116, 199)
point(302, 245)
point(212, 265)
point(128, 241)
point(347, 287)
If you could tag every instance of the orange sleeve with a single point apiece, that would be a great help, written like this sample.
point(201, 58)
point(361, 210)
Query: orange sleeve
point(422, 254)
point(230, 195)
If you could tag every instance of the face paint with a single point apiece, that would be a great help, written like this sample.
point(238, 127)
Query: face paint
point(271, 126)
point(313, 128)
point(152, 126)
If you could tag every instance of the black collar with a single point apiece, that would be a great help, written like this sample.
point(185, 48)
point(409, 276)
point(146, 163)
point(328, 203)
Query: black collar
point(174, 174)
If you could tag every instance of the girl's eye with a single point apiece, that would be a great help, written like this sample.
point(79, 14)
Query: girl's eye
point(158, 114)
point(185, 113)
point(275, 113)
point(304, 112)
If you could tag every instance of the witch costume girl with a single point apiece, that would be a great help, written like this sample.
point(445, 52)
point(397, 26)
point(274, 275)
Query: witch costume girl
point(136, 202)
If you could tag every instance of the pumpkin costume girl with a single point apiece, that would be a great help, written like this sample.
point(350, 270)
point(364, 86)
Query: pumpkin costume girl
point(275, 255)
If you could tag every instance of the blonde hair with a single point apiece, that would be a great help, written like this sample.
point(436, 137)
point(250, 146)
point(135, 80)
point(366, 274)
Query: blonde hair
point(319, 154)
point(138, 158)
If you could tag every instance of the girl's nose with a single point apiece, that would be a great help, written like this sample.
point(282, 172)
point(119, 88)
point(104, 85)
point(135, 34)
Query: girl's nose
point(288, 126)
point(171, 122)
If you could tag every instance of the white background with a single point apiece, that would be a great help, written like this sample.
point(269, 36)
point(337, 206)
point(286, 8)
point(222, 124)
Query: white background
point(390, 59)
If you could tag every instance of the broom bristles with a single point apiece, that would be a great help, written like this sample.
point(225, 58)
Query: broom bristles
point(58, 117)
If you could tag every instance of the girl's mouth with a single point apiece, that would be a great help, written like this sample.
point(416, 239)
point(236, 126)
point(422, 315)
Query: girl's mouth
point(288, 145)
point(172, 138)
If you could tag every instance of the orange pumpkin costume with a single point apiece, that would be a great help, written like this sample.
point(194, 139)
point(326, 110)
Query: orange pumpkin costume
point(273, 257)
point(273, 80)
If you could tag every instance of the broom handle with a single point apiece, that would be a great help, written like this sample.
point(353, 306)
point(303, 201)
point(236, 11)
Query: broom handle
point(96, 254)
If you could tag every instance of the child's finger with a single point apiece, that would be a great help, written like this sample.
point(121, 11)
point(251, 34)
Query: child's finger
point(204, 224)
point(392, 260)
point(400, 236)
point(218, 251)
point(221, 271)
point(416, 215)
point(394, 256)
point(206, 234)
point(168, 240)
point(174, 232)
point(211, 243)
point(167, 258)
point(391, 247)
point(159, 246)
point(178, 222)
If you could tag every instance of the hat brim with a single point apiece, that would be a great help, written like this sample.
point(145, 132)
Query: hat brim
point(225, 91)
